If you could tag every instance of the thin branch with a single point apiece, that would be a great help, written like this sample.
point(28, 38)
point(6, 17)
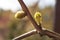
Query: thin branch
point(45, 32)
point(51, 34)
point(26, 35)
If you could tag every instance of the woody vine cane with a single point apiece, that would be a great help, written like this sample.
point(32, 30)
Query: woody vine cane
point(38, 29)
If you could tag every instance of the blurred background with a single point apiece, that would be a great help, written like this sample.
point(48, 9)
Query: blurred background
point(11, 27)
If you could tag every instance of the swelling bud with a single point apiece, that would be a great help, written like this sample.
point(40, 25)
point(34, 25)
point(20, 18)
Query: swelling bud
point(38, 18)
point(20, 14)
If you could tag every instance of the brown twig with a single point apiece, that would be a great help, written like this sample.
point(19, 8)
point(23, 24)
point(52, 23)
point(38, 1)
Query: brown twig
point(45, 32)
point(26, 35)
point(51, 34)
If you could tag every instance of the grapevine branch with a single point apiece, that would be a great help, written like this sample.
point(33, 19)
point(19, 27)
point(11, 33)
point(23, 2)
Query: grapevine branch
point(39, 30)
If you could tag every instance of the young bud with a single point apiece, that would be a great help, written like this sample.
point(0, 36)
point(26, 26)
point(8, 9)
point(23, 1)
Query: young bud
point(20, 14)
point(38, 17)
